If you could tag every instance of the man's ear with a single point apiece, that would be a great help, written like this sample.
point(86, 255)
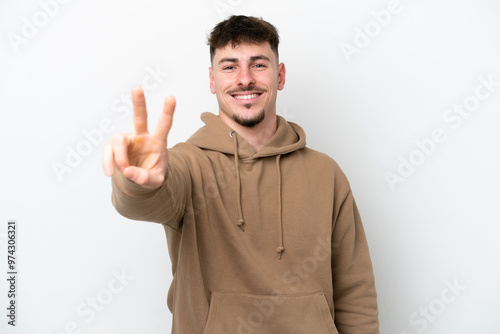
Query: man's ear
point(212, 85)
point(281, 76)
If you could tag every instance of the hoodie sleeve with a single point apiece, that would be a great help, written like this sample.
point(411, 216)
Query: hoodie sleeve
point(165, 205)
point(354, 293)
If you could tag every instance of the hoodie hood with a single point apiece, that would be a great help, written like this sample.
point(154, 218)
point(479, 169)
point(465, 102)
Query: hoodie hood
point(215, 136)
point(218, 136)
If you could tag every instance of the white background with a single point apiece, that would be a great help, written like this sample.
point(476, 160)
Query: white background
point(436, 226)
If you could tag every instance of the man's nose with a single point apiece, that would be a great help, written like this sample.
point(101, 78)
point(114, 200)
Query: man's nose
point(245, 77)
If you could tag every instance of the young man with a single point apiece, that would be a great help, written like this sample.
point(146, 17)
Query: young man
point(264, 234)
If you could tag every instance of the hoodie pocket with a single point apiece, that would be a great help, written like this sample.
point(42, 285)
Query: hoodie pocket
point(235, 313)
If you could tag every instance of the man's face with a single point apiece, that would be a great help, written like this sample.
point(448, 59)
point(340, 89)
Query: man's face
point(246, 80)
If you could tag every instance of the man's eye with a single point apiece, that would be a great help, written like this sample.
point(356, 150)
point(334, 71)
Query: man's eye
point(228, 68)
point(260, 65)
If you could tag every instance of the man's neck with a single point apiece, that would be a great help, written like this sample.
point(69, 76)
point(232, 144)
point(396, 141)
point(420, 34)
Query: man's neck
point(258, 135)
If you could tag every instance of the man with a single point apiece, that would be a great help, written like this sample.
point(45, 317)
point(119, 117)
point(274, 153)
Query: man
point(263, 233)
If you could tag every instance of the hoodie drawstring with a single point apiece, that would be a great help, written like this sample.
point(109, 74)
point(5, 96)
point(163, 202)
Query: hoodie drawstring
point(241, 220)
point(281, 247)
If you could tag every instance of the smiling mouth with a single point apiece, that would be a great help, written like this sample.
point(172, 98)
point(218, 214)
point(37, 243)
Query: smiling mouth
point(247, 96)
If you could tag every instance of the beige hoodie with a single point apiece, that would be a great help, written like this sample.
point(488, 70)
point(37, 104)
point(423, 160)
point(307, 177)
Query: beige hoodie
point(260, 242)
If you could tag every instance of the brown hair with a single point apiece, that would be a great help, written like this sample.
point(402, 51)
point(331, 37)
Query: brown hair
point(243, 29)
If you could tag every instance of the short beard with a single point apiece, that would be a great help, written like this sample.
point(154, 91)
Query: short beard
point(250, 123)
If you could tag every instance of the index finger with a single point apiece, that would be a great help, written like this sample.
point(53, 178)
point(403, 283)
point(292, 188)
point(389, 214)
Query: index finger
point(165, 121)
point(140, 113)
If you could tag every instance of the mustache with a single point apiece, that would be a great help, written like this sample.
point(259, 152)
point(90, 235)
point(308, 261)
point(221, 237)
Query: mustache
point(250, 88)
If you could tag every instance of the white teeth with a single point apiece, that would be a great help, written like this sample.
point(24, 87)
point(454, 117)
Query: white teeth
point(246, 97)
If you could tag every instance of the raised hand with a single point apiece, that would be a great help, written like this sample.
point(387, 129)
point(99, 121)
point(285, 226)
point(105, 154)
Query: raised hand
point(141, 157)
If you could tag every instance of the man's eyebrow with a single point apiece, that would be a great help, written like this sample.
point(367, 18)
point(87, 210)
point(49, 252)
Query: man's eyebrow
point(236, 60)
point(259, 57)
point(232, 60)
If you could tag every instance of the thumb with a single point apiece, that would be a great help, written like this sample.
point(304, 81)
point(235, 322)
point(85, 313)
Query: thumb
point(136, 174)
point(143, 177)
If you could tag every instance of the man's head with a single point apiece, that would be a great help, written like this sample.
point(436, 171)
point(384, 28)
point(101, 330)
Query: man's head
point(243, 29)
point(245, 73)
